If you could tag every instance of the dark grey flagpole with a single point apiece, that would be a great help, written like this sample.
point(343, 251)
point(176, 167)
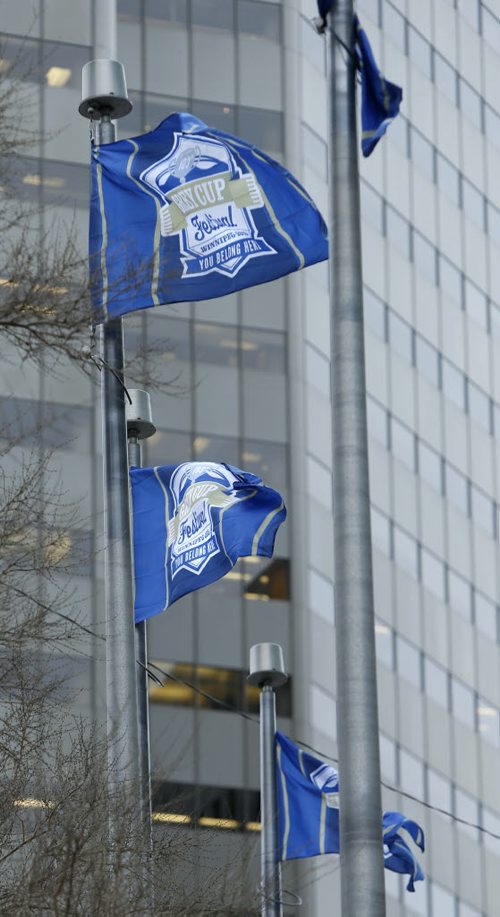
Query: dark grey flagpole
point(361, 858)
point(140, 426)
point(104, 98)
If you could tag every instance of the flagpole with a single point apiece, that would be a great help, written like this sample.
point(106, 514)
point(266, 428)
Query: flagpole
point(139, 427)
point(105, 97)
point(361, 857)
point(267, 671)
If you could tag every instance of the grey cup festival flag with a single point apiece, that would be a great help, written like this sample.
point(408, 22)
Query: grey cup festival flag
point(308, 813)
point(191, 522)
point(187, 212)
point(380, 99)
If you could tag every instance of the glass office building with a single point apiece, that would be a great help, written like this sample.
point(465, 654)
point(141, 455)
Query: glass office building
point(250, 384)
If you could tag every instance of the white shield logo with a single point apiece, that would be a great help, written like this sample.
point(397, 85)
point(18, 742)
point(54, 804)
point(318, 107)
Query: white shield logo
point(207, 203)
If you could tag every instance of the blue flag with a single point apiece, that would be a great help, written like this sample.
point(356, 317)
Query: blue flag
point(380, 99)
point(187, 212)
point(191, 522)
point(308, 813)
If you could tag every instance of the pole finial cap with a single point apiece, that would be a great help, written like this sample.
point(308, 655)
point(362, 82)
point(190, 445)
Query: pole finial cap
point(139, 417)
point(104, 90)
point(267, 666)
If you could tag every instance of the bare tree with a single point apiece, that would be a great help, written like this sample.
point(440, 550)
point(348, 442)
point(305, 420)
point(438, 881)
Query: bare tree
point(57, 855)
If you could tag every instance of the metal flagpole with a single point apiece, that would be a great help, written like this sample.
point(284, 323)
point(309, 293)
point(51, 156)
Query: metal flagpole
point(361, 857)
point(267, 671)
point(140, 426)
point(105, 97)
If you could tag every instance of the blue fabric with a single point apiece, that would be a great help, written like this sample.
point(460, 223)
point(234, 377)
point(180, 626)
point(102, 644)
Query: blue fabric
point(187, 212)
point(380, 99)
point(324, 7)
point(191, 522)
point(308, 813)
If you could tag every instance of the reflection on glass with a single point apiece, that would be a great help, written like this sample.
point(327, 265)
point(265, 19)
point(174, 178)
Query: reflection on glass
point(214, 14)
point(272, 582)
point(185, 684)
point(261, 19)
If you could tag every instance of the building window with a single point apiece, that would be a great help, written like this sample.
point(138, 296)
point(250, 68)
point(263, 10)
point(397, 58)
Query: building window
point(424, 256)
point(459, 595)
point(374, 313)
point(394, 26)
point(448, 179)
point(427, 359)
point(445, 77)
point(422, 153)
point(187, 684)
point(261, 19)
point(450, 280)
point(462, 703)
point(471, 104)
point(430, 466)
point(443, 902)
point(272, 582)
point(377, 421)
point(401, 337)
point(315, 153)
point(457, 489)
point(398, 231)
point(214, 14)
point(411, 774)
point(482, 511)
point(403, 443)
point(419, 51)
point(408, 665)
point(433, 574)
point(438, 790)
point(488, 722)
point(476, 303)
point(384, 643)
point(466, 807)
point(205, 806)
point(453, 384)
point(372, 206)
point(405, 552)
point(473, 203)
point(436, 682)
point(381, 531)
point(485, 613)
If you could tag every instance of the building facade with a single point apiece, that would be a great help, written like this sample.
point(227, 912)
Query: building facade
point(249, 383)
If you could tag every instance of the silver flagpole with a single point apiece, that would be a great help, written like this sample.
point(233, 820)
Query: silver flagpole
point(268, 673)
point(361, 858)
point(105, 97)
point(140, 426)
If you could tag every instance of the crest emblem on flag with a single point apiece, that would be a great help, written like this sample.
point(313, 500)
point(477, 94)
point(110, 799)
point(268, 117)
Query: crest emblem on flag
point(191, 530)
point(207, 202)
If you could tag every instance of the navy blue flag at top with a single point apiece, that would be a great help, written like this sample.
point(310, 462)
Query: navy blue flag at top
point(380, 99)
point(191, 522)
point(308, 813)
point(187, 212)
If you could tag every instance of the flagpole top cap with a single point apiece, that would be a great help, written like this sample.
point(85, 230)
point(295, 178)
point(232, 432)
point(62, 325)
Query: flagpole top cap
point(104, 90)
point(139, 417)
point(267, 666)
